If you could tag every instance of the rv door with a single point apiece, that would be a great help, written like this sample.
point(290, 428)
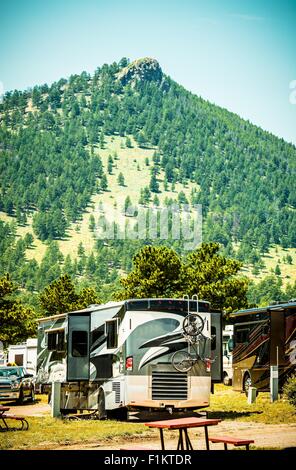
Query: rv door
point(78, 348)
point(216, 347)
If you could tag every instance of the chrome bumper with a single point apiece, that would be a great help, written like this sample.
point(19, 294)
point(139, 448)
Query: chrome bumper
point(9, 395)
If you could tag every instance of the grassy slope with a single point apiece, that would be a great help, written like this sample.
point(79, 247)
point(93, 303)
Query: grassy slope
point(129, 159)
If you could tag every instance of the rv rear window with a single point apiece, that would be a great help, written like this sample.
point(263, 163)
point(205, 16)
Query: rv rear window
point(79, 344)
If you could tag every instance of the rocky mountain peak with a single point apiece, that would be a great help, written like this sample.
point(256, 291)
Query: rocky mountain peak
point(141, 69)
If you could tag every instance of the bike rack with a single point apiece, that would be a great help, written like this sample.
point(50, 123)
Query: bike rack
point(193, 298)
point(186, 297)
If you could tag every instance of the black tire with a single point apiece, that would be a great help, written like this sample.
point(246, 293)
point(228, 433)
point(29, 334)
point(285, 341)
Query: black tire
point(182, 361)
point(32, 396)
point(101, 405)
point(20, 400)
point(193, 324)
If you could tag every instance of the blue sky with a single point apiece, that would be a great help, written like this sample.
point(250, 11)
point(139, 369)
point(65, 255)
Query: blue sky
point(240, 55)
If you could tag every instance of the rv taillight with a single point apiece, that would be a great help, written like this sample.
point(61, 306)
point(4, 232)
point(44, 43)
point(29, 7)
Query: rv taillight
point(129, 363)
point(208, 365)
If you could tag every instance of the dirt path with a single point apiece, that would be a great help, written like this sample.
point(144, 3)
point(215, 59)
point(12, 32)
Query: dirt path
point(265, 436)
point(29, 409)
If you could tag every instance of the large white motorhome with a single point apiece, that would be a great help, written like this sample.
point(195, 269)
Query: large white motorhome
point(118, 356)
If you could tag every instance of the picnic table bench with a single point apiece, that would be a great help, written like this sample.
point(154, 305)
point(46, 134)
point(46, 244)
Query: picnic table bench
point(232, 440)
point(4, 426)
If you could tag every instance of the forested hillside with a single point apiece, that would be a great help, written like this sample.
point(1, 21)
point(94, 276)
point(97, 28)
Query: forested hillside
point(56, 162)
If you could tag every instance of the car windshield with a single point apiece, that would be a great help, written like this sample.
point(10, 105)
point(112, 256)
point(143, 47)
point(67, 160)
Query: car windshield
point(10, 372)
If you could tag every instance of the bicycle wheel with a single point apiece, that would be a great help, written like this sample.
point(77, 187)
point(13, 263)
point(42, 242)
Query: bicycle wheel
point(193, 324)
point(182, 361)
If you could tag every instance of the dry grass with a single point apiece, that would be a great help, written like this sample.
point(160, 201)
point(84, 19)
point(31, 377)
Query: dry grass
point(50, 432)
point(276, 256)
point(227, 404)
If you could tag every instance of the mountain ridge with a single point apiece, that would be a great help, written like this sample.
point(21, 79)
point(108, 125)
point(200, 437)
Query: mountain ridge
point(53, 159)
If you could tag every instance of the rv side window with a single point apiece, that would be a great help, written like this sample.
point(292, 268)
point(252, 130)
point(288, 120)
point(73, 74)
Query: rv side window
point(51, 341)
point(111, 332)
point(60, 341)
point(79, 343)
point(242, 335)
point(55, 341)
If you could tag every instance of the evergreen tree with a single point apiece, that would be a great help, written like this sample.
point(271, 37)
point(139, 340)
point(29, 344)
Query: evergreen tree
point(277, 270)
point(159, 272)
point(61, 296)
point(110, 165)
point(104, 183)
point(120, 179)
point(154, 186)
point(156, 200)
point(92, 223)
point(146, 195)
point(128, 142)
point(17, 321)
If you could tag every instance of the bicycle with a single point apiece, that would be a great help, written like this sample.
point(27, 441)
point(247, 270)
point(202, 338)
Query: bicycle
point(183, 361)
point(193, 326)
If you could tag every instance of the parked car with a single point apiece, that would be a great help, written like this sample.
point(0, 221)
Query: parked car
point(16, 384)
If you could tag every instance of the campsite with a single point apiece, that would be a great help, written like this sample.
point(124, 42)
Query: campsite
point(271, 425)
point(148, 229)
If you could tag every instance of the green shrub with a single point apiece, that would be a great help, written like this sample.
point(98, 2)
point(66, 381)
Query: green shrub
point(290, 389)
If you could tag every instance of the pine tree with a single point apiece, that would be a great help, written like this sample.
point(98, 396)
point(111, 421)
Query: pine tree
point(120, 179)
point(104, 183)
point(128, 142)
point(156, 200)
point(17, 321)
point(277, 270)
point(154, 186)
point(110, 165)
point(146, 195)
point(92, 223)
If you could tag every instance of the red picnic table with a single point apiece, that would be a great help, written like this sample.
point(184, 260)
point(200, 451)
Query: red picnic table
point(4, 417)
point(183, 424)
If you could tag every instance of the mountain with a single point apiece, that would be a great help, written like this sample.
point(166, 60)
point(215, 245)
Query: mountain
point(129, 133)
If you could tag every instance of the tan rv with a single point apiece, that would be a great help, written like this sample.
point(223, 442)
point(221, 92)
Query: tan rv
point(263, 337)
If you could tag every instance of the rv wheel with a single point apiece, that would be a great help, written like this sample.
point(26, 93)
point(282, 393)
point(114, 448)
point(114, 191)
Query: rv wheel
point(32, 396)
point(20, 400)
point(101, 405)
